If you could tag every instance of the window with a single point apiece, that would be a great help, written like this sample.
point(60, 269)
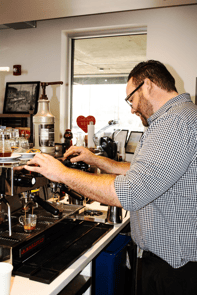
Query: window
point(100, 69)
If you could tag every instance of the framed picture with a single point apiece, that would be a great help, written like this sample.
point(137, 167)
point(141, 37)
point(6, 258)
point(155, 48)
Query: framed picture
point(132, 142)
point(21, 97)
point(120, 136)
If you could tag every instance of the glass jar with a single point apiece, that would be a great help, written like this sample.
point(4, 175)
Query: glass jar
point(5, 148)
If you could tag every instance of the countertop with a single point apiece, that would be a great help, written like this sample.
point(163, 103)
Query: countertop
point(24, 286)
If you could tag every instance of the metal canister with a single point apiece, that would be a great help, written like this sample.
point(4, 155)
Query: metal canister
point(114, 214)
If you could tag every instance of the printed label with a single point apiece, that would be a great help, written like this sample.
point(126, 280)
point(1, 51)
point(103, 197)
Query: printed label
point(46, 135)
point(31, 246)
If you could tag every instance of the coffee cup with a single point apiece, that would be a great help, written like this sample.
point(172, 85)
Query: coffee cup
point(29, 222)
point(5, 277)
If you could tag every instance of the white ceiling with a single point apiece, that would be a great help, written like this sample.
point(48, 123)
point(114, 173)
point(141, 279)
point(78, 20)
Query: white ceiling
point(108, 55)
point(26, 11)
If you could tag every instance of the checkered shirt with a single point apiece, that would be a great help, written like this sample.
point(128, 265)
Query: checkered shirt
point(160, 189)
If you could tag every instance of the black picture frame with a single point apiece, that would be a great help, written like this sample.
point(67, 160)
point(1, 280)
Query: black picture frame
point(132, 141)
point(21, 97)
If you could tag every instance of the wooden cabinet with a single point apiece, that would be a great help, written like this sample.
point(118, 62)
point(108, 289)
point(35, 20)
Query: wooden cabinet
point(14, 120)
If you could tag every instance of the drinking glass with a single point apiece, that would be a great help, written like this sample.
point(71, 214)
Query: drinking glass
point(28, 221)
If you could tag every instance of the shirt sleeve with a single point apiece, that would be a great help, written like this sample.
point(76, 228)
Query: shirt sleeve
point(162, 157)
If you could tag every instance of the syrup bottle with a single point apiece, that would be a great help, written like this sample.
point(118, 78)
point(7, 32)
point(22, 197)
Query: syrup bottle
point(68, 139)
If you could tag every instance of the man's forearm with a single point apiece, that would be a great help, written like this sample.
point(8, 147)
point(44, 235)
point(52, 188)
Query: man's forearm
point(96, 187)
point(110, 166)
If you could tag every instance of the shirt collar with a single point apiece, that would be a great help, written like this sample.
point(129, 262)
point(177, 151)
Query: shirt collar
point(185, 97)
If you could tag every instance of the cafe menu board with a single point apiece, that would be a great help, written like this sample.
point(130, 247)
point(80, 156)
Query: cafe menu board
point(132, 142)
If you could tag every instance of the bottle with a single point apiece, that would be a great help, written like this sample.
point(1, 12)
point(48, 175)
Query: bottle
point(68, 138)
point(44, 124)
point(91, 143)
point(122, 155)
point(44, 127)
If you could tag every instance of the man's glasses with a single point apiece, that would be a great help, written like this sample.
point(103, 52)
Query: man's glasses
point(128, 96)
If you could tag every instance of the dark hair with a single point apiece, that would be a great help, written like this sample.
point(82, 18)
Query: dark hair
point(156, 72)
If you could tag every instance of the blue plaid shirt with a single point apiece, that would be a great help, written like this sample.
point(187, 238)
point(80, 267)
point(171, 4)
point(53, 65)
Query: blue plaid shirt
point(160, 189)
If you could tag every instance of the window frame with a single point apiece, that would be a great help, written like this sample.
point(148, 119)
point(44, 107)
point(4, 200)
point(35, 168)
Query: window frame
point(66, 64)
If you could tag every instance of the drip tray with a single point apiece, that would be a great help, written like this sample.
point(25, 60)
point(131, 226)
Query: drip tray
point(75, 238)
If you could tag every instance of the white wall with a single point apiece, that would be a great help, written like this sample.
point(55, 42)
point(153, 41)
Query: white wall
point(172, 39)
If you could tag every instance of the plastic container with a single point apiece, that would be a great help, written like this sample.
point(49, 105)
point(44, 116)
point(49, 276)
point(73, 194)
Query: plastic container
point(109, 268)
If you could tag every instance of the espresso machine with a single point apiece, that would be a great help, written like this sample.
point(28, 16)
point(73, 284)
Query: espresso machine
point(62, 232)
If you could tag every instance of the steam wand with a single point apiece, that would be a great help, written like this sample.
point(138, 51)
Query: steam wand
point(2, 197)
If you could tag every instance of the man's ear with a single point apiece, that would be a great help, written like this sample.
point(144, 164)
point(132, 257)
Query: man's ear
point(149, 85)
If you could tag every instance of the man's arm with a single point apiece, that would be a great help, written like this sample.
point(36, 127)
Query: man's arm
point(105, 164)
point(96, 187)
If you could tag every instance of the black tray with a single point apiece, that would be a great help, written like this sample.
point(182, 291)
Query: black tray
point(57, 256)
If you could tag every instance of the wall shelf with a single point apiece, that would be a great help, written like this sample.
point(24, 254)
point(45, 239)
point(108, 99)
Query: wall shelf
point(14, 120)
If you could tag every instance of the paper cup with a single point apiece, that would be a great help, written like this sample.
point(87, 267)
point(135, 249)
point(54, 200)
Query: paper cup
point(5, 277)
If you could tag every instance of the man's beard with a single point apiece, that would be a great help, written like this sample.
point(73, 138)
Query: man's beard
point(144, 109)
point(144, 120)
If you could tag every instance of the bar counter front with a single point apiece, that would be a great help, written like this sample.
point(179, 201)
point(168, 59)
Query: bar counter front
point(67, 240)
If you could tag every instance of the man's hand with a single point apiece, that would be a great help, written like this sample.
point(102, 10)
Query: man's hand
point(47, 166)
point(105, 164)
point(82, 154)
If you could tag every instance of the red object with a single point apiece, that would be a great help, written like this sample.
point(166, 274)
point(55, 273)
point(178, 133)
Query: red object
point(83, 122)
point(24, 133)
point(17, 70)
